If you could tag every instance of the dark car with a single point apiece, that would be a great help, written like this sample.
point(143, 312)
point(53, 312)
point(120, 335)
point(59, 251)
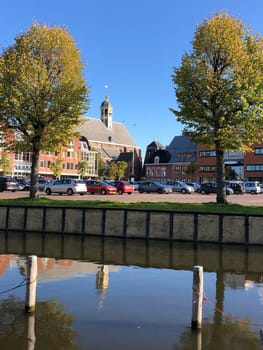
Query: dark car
point(22, 186)
point(211, 187)
point(8, 184)
point(123, 186)
point(237, 186)
point(156, 187)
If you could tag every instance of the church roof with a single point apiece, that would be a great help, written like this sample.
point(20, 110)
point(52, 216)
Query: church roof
point(96, 131)
point(107, 152)
point(156, 145)
point(182, 148)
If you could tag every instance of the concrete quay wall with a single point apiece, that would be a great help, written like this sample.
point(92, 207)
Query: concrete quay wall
point(132, 223)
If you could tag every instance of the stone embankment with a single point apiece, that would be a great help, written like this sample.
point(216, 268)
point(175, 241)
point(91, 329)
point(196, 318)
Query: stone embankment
point(134, 223)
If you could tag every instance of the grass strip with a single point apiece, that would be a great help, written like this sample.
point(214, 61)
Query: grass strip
point(169, 206)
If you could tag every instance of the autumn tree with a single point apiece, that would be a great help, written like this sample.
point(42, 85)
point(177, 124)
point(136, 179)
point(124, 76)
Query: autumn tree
point(83, 168)
point(5, 163)
point(102, 171)
point(117, 170)
point(219, 89)
point(192, 170)
point(42, 92)
point(56, 167)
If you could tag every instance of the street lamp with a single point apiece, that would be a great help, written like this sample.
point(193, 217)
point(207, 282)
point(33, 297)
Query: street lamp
point(133, 162)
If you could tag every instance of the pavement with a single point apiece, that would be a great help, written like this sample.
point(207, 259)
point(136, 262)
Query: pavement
point(244, 199)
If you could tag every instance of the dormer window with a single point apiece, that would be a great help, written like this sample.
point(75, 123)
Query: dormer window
point(110, 138)
point(84, 145)
point(156, 160)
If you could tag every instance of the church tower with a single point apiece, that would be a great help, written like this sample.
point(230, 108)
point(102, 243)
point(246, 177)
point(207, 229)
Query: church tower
point(106, 112)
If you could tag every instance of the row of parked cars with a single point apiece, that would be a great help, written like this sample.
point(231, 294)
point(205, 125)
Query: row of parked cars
point(8, 183)
point(234, 187)
point(72, 186)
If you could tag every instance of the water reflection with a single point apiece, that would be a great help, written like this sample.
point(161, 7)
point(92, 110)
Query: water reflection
point(115, 294)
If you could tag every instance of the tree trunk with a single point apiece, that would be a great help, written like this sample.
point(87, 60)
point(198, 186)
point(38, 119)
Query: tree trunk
point(220, 178)
point(34, 174)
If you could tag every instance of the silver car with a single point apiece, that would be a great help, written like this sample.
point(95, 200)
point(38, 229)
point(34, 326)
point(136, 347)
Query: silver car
point(152, 186)
point(66, 186)
point(180, 186)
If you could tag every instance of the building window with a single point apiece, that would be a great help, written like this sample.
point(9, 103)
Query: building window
point(207, 169)
point(163, 172)
point(156, 160)
point(26, 156)
point(178, 169)
point(150, 172)
point(259, 150)
point(70, 154)
point(233, 154)
point(42, 164)
point(184, 155)
point(85, 156)
point(70, 166)
point(254, 167)
point(204, 154)
point(84, 145)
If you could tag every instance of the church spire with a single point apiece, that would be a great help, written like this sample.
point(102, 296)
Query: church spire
point(106, 110)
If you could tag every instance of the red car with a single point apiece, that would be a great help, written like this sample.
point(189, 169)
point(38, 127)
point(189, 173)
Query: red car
point(96, 186)
point(123, 187)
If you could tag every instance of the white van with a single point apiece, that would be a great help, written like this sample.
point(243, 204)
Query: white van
point(252, 187)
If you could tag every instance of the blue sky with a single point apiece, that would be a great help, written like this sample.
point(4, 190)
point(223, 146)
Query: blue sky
point(131, 46)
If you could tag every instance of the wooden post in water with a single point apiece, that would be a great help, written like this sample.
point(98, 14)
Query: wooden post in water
point(198, 292)
point(31, 337)
point(31, 286)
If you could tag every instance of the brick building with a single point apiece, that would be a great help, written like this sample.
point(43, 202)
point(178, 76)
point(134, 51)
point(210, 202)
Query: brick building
point(253, 163)
point(182, 154)
point(98, 138)
point(172, 162)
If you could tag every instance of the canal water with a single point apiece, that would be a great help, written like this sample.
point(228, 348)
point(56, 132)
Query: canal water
point(98, 294)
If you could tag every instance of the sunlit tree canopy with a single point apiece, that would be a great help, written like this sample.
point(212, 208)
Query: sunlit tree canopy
point(219, 87)
point(42, 90)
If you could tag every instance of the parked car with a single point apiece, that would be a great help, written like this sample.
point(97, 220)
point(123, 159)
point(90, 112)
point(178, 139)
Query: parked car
point(135, 185)
point(41, 184)
point(123, 186)
point(102, 187)
point(180, 186)
point(261, 188)
point(8, 184)
point(211, 187)
point(158, 187)
point(195, 185)
point(252, 187)
point(66, 186)
point(21, 184)
point(237, 186)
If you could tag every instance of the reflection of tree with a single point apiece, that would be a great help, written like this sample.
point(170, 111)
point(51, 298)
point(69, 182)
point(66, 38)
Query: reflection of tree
point(52, 325)
point(234, 335)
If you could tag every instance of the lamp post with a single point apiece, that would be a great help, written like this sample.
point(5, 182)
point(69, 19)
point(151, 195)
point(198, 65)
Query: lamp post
point(133, 162)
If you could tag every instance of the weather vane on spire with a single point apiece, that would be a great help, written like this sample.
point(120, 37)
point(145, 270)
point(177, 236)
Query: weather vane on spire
point(106, 89)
